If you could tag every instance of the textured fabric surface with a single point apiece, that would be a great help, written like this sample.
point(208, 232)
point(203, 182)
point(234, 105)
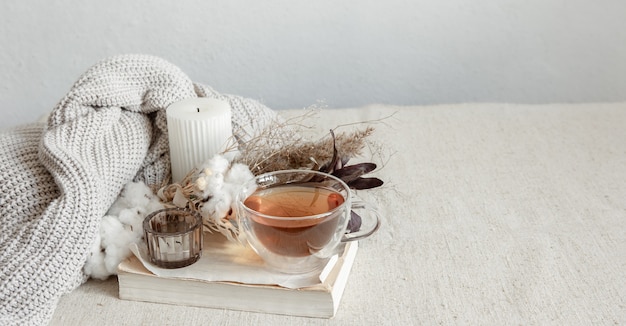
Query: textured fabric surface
point(60, 178)
point(494, 214)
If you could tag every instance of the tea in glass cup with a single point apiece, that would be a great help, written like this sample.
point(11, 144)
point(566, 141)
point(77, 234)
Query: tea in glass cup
point(296, 219)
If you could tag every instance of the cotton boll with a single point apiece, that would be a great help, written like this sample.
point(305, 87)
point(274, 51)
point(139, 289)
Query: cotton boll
point(122, 226)
point(221, 205)
point(239, 174)
point(134, 194)
point(129, 216)
point(117, 251)
point(218, 164)
point(94, 266)
point(115, 241)
point(217, 207)
point(114, 256)
point(214, 185)
point(137, 194)
point(207, 210)
point(110, 228)
point(237, 177)
point(109, 248)
point(232, 190)
point(133, 221)
point(147, 204)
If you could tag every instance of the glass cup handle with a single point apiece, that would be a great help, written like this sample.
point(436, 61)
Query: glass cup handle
point(370, 222)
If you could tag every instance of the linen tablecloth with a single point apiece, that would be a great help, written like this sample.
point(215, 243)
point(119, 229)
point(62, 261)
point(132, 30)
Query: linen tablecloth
point(493, 214)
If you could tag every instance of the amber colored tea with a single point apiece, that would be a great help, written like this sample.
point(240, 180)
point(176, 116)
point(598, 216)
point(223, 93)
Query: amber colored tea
point(296, 232)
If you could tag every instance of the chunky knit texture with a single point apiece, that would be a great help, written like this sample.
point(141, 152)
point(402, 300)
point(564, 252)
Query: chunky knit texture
point(60, 178)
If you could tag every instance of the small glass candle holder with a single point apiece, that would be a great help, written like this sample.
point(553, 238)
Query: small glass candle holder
point(173, 237)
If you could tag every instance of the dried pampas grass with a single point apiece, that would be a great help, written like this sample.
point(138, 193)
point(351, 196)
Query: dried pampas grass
point(281, 146)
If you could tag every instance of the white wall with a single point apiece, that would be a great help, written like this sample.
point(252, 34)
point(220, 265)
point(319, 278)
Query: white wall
point(292, 54)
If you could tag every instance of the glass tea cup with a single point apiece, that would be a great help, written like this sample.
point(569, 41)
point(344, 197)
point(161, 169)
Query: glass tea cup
point(295, 220)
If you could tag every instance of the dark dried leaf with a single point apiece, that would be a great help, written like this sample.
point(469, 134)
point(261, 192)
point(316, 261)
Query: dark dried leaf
point(365, 183)
point(353, 172)
point(355, 222)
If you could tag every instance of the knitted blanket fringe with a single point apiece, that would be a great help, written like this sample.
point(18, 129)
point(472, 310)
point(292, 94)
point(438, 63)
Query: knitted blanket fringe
point(60, 178)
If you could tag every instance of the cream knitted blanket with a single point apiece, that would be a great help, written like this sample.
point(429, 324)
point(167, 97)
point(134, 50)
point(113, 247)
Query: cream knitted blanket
point(59, 179)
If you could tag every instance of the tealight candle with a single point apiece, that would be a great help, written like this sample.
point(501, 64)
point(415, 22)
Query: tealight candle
point(198, 128)
point(173, 237)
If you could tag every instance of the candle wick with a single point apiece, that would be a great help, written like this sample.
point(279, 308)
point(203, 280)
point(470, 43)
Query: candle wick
point(198, 110)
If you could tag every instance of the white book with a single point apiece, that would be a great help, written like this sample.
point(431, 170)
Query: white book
point(180, 287)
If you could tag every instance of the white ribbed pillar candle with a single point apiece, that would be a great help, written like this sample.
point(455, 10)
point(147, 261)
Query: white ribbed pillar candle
point(198, 128)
